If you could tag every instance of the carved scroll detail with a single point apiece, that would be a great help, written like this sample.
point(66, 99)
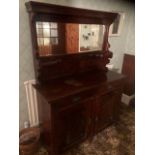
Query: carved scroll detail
point(106, 44)
point(107, 54)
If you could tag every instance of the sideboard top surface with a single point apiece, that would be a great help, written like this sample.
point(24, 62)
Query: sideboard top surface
point(64, 87)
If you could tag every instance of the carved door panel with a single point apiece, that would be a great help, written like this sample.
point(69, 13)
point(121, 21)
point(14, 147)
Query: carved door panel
point(104, 110)
point(73, 122)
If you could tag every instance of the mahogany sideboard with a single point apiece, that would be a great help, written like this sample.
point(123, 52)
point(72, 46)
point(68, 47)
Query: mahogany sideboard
point(74, 109)
point(77, 95)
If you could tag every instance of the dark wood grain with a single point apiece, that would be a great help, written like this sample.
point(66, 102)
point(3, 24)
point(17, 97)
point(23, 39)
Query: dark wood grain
point(77, 95)
point(93, 98)
point(128, 69)
point(70, 14)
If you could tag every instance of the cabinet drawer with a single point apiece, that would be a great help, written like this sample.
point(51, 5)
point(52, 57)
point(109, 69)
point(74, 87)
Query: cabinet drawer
point(73, 99)
point(103, 89)
point(118, 83)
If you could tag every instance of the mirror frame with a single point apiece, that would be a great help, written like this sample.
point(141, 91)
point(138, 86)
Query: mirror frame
point(45, 12)
point(50, 67)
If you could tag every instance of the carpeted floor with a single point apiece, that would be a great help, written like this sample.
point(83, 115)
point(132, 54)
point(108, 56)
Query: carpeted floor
point(118, 139)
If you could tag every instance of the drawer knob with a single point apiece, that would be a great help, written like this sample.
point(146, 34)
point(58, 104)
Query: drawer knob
point(96, 119)
point(110, 87)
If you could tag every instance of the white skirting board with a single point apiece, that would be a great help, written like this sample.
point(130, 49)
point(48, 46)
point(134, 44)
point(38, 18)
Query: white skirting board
point(126, 99)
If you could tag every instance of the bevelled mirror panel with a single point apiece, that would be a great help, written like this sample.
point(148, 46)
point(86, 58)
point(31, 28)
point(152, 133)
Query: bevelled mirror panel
point(66, 38)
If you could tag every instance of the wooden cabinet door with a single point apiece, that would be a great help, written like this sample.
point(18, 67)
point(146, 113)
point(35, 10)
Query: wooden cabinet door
point(73, 123)
point(104, 110)
point(117, 101)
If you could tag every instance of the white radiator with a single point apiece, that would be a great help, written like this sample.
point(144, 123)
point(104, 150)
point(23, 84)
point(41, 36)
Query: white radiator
point(32, 103)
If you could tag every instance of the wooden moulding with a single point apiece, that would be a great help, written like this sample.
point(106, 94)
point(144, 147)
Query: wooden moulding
point(78, 15)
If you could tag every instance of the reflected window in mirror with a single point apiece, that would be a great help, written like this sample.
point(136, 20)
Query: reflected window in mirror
point(47, 36)
point(66, 38)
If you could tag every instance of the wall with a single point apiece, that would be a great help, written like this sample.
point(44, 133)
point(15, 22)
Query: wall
point(119, 45)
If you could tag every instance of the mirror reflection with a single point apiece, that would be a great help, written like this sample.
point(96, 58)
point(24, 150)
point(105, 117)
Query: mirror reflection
point(65, 38)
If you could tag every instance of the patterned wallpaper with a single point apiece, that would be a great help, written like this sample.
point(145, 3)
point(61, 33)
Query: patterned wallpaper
point(119, 45)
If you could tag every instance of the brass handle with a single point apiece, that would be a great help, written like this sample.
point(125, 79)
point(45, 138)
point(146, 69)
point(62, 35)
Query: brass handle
point(56, 61)
point(76, 99)
point(53, 62)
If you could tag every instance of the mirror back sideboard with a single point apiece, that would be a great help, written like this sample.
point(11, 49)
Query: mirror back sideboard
point(77, 95)
point(61, 65)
